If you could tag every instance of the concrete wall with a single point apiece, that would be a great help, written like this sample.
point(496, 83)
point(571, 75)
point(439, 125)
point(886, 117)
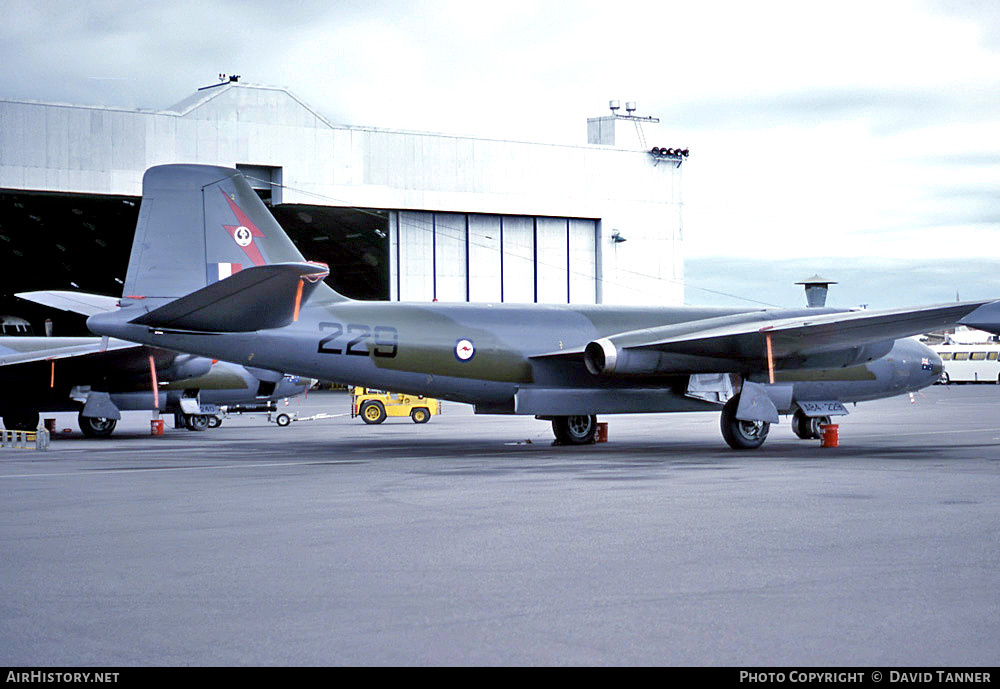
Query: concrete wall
point(466, 184)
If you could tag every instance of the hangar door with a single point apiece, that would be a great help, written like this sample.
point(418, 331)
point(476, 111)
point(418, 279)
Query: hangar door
point(492, 258)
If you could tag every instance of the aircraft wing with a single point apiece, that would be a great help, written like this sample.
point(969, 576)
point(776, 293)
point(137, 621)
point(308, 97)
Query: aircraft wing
point(985, 318)
point(74, 302)
point(69, 361)
point(802, 335)
point(23, 350)
point(757, 338)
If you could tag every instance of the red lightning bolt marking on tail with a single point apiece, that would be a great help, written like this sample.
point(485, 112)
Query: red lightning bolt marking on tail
point(251, 250)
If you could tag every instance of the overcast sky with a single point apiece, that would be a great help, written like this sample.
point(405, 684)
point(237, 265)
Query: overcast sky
point(858, 140)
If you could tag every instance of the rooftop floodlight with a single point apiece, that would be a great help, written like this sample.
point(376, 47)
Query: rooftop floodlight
point(614, 105)
point(630, 107)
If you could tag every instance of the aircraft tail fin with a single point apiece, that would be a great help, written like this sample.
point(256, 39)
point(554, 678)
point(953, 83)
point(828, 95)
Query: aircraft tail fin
point(199, 224)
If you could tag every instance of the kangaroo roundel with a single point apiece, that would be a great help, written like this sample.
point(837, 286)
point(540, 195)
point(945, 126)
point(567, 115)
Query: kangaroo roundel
point(464, 350)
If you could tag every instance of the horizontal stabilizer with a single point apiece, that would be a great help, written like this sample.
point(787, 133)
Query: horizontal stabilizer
point(256, 298)
point(74, 302)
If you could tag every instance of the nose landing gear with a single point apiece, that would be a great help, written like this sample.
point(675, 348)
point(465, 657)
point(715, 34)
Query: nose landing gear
point(808, 427)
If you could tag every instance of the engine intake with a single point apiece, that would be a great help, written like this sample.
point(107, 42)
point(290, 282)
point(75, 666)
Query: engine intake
point(601, 357)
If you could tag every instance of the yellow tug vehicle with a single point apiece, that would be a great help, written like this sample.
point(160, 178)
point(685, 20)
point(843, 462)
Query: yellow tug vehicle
point(375, 406)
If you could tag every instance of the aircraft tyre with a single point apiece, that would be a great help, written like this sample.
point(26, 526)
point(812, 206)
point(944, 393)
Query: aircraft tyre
point(420, 415)
point(282, 420)
point(742, 435)
point(214, 421)
point(574, 430)
point(808, 428)
point(196, 422)
point(21, 421)
point(95, 426)
point(372, 412)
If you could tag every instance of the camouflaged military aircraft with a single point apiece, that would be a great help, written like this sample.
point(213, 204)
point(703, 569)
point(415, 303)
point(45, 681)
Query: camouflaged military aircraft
point(212, 272)
point(101, 377)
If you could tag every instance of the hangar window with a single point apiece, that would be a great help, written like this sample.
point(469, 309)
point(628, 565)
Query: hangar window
point(979, 356)
point(961, 356)
point(945, 356)
point(992, 356)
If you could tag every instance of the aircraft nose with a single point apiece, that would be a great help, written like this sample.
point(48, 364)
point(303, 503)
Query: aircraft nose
point(937, 365)
point(918, 365)
point(931, 366)
point(295, 385)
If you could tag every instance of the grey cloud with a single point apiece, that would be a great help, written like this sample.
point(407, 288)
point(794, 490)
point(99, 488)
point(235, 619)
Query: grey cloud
point(982, 12)
point(886, 111)
point(944, 156)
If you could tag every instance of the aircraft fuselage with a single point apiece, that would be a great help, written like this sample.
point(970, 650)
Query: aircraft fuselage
point(499, 356)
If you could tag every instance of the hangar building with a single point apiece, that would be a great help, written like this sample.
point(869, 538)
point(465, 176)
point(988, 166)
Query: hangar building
point(400, 215)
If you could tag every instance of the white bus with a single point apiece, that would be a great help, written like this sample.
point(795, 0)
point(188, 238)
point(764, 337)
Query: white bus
point(970, 363)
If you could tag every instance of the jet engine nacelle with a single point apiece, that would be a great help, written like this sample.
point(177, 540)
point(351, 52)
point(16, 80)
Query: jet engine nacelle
point(840, 358)
point(186, 366)
point(604, 358)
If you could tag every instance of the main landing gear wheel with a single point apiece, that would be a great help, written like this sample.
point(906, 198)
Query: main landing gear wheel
point(21, 421)
point(742, 435)
point(96, 427)
point(420, 415)
point(372, 411)
point(196, 422)
point(808, 427)
point(574, 430)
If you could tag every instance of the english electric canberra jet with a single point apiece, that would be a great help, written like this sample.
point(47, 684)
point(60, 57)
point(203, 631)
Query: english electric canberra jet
point(212, 273)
